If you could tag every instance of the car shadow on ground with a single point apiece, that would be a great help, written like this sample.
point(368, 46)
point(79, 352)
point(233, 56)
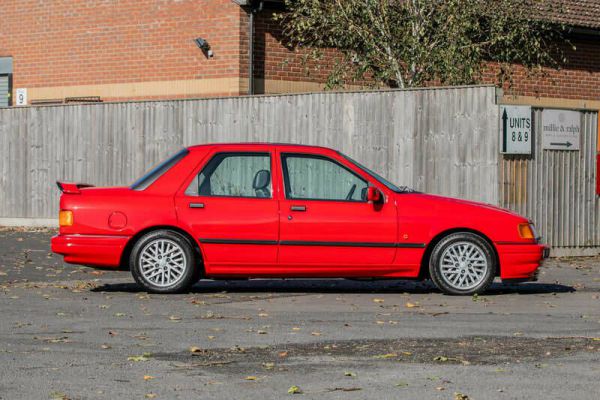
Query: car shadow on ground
point(339, 286)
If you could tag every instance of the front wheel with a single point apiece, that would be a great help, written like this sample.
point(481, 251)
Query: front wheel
point(462, 264)
point(163, 262)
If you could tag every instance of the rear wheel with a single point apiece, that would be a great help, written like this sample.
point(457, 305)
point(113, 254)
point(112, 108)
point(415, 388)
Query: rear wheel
point(163, 261)
point(462, 263)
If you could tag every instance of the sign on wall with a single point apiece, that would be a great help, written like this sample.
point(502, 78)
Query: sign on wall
point(561, 129)
point(21, 97)
point(516, 133)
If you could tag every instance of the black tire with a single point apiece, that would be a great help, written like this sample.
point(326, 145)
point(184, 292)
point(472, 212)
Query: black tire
point(190, 273)
point(480, 250)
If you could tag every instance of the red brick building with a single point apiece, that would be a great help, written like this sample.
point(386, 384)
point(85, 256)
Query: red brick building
point(66, 50)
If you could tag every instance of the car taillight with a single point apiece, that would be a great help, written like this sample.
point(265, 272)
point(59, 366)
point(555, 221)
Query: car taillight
point(525, 231)
point(65, 218)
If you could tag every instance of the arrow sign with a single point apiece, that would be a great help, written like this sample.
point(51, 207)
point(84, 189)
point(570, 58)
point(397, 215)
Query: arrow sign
point(516, 129)
point(561, 129)
point(568, 144)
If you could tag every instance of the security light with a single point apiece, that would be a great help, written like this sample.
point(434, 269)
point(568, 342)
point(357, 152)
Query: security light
point(204, 46)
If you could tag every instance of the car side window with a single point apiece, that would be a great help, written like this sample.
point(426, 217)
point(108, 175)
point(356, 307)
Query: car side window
point(312, 177)
point(234, 175)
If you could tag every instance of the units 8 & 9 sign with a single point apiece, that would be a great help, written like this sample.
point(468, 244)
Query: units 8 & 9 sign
point(515, 129)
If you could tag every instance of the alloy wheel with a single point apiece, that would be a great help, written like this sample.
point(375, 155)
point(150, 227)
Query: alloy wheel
point(162, 262)
point(463, 265)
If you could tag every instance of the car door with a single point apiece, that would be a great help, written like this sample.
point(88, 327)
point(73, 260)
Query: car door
point(230, 208)
point(327, 227)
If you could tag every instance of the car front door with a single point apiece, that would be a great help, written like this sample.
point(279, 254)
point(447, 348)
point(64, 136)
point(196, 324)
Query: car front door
point(230, 208)
point(327, 226)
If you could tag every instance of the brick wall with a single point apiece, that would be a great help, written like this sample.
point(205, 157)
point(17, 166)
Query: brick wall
point(90, 42)
point(273, 60)
point(580, 79)
point(107, 47)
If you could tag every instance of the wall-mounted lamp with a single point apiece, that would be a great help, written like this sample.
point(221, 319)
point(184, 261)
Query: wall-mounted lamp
point(204, 46)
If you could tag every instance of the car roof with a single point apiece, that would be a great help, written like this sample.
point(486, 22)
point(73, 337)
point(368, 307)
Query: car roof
point(256, 144)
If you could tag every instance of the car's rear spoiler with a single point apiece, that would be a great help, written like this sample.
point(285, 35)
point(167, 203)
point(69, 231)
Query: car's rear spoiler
point(72, 188)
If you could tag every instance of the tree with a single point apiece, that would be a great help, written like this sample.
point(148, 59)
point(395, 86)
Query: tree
point(409, 43)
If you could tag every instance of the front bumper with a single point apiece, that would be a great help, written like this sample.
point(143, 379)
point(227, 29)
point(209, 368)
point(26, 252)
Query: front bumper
point(93, 250)
point(520, 262)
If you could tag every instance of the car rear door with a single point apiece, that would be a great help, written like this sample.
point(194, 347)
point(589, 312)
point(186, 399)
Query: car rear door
point(327, 227)
point(230, 208)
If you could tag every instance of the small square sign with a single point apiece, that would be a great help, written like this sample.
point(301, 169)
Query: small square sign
point(21, 97)
point(516, 130)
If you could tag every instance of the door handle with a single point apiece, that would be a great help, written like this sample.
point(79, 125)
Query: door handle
point(298, 208)
point(196, 205)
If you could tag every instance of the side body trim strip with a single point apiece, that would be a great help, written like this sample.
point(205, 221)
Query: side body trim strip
point(313, 243)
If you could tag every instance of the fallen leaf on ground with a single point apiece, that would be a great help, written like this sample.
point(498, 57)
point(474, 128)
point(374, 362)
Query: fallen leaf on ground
point(384, 356)
point(342, 389)
point(460, 396)
point(411, 305)
point(348, 373)
point(294, 390)
point(58, 396)
point(148, 377)
point(251, 378)
point(195, 349)
point(378, 300)
point(175, 318)
point(143, 357)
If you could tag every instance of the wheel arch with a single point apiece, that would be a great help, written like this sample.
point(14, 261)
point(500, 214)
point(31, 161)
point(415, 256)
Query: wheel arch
point(424, 269)
point(124, 263)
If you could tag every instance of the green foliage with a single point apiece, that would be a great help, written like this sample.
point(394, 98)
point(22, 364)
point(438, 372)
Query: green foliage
point(408, 43)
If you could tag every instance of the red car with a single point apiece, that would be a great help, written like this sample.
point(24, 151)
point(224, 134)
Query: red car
point(224, 211)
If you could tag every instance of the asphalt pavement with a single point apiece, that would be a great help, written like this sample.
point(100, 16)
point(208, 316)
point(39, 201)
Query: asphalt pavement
point(71, 332)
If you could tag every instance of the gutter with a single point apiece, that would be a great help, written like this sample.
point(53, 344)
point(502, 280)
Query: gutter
point(253, 7)
point(583, 32)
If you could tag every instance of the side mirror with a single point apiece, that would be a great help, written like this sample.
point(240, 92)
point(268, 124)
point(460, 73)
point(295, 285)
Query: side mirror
point(374, 195)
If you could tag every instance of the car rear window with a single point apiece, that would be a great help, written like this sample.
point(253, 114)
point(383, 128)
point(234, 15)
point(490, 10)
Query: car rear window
point(157, 171)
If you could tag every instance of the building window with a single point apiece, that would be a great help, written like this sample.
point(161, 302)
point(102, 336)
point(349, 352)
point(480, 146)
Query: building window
point(6, 69)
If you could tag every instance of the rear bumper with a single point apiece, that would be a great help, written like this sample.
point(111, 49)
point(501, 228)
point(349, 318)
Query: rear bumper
point(520, 262)
point(94, 250)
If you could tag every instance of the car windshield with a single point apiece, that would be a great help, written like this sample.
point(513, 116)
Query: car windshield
point(381, 179)
point(158, 170)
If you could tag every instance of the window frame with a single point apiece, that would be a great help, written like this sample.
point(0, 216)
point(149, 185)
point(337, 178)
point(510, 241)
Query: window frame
point(230, 154)
point(286, 177)
point(7, 71)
